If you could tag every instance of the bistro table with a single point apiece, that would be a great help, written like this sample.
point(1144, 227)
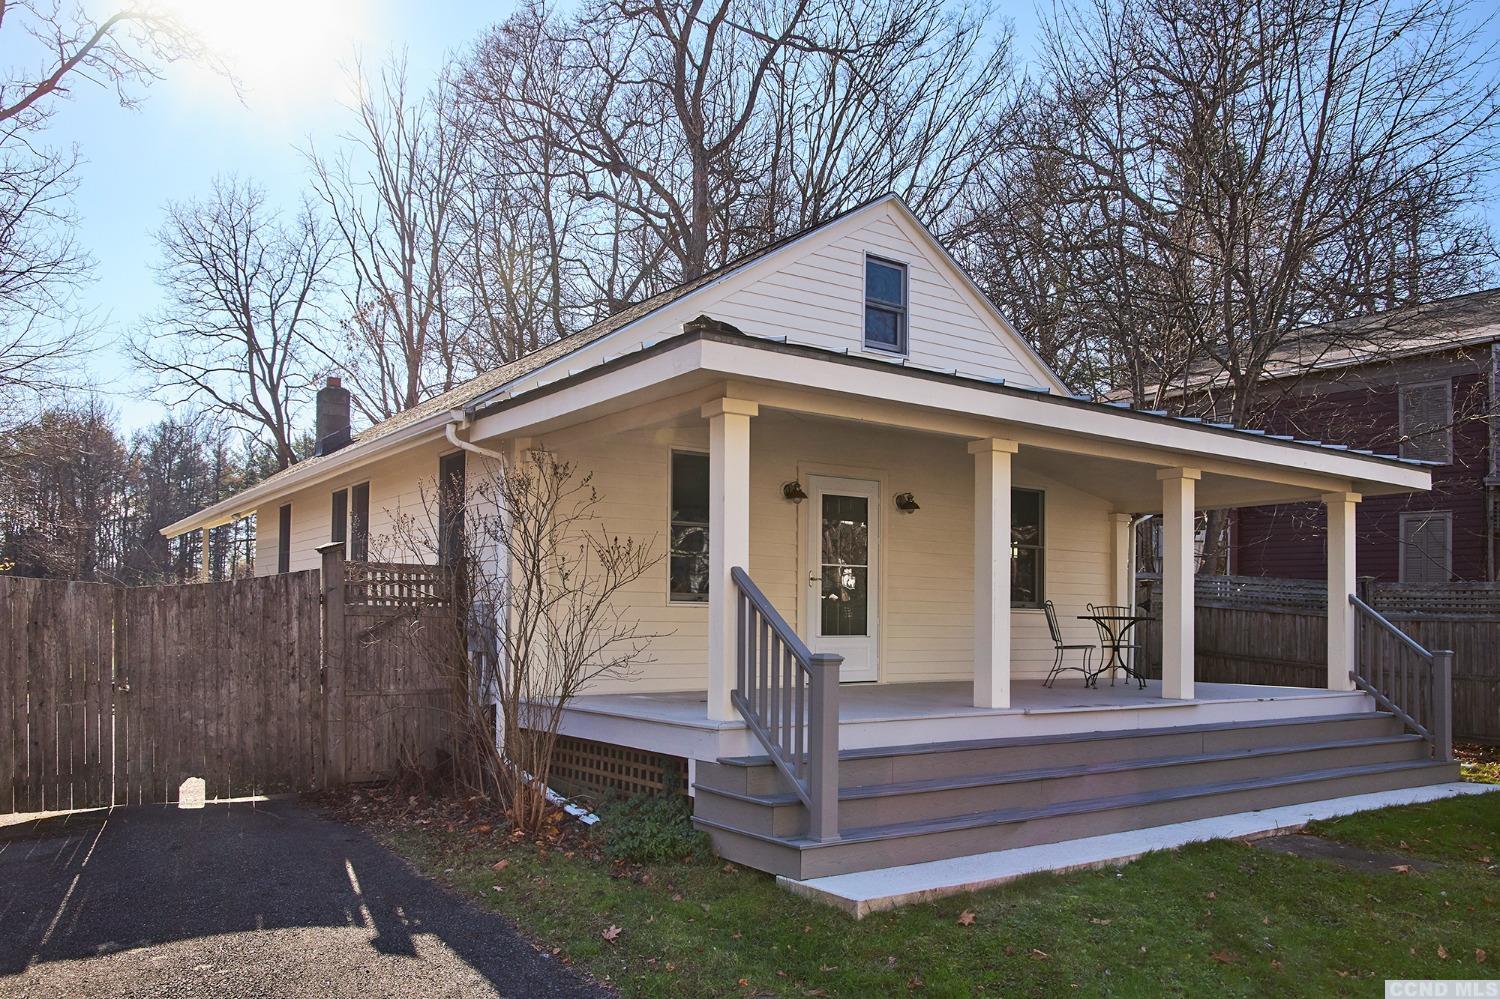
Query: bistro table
point(1114, 631)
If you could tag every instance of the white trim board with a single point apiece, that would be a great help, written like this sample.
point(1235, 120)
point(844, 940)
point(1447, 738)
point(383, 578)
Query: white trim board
point(864, 892)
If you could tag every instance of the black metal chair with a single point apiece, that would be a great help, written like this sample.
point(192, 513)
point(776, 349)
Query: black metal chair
point(1061, 648)
point(1116, 645)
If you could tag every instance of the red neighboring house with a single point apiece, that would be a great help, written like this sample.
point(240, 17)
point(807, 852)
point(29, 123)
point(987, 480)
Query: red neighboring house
point(1419, 381)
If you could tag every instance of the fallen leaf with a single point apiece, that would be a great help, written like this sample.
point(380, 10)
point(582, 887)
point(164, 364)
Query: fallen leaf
point(1480, 955)
point(1040, 955)
point(828, 967)
point(612, 934)
point(743, 983)
point(966, 918)
point(677, 897)
point(914, 982)
point(1213, 894)
point(1402, 868)
point(500, 865)
point(496, 888)
point(484, 829)
point(1275, 965)
point(1225, 957)
point(1101, 922)
point(1442, 952)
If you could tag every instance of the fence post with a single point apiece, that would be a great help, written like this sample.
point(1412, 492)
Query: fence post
point(335, 708)
point(1364, 588)
point(823, 747)
point(1442, 705)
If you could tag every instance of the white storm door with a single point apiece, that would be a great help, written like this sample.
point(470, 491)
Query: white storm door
point(843, 579)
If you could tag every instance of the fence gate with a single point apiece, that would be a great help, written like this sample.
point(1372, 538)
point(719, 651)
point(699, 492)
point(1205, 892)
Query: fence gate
point(115, 695)
point(220, 681)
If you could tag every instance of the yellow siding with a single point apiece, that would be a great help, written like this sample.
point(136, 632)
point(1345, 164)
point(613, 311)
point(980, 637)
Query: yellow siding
point(401, 486)
point(927, 557)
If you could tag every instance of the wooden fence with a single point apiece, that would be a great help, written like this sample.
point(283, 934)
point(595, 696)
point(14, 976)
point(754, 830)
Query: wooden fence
point(1250, 629)
point(115, 695)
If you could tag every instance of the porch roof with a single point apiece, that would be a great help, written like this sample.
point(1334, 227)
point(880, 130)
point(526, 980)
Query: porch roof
point(781, 374)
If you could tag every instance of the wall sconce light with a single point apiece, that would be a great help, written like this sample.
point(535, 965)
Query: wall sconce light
point(907, 503)
point(793, 491)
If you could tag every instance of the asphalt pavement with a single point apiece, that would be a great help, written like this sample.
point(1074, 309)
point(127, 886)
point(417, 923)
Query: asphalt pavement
point(262, 899)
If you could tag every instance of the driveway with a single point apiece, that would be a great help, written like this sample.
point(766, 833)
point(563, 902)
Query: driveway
point(242, 900)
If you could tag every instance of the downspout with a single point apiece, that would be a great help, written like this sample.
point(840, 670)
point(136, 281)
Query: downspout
point(456, 419)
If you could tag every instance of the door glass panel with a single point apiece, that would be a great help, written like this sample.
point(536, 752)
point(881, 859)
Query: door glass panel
point(845, 566)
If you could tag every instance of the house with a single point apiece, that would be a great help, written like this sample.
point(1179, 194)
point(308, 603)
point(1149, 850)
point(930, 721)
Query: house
point(1420, 381)
point(891, 486)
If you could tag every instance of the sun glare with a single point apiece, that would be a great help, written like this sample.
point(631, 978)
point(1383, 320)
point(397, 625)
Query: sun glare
point(284, 55)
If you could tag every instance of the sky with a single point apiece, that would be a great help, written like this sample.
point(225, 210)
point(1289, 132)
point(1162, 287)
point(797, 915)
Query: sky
point(292, 61)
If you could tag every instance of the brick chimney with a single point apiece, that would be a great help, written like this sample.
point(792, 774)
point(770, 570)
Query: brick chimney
point(333, 417)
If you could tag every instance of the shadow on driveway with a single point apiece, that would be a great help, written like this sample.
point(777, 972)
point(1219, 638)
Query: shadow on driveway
point(243, 899)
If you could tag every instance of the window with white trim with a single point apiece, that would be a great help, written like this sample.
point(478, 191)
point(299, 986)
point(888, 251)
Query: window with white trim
point(1027, 551)
point(885, 305)
point(1426, 421)
point(1427, 547)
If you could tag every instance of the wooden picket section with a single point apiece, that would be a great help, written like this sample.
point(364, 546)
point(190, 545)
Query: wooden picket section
point(392, 651)
point(1274, 632)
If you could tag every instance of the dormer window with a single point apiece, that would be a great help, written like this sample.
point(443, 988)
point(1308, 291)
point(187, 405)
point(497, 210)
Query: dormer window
point(885, 305)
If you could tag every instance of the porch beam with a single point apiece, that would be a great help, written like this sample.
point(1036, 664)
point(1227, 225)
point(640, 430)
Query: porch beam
point(1178, 486)
point(1341, 580)
point(882, 413)
point(728, 538)
point(992, 571)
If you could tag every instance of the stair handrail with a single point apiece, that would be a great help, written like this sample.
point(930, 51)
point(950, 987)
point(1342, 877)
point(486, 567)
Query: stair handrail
point(1427, 713)
point(788, 696)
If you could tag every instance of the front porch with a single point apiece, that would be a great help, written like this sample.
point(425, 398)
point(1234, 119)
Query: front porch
point(919, 714)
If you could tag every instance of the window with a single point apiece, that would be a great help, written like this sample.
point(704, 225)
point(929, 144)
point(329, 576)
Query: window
point(1426, 417)
point(885, 305)
point(1026, 554)
point(688, 566)
point(359, 523)
point(1427, 547)
point(338, 530)
point(450, 507)
point(284, 539)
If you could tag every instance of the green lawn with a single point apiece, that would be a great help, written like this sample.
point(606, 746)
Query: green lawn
point(1218, 918)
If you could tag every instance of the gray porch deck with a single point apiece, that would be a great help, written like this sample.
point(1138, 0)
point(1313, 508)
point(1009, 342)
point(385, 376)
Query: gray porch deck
point(890, 714)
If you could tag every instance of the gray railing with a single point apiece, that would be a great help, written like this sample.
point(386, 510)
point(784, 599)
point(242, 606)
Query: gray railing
point(789, 697)
point(1404, 678)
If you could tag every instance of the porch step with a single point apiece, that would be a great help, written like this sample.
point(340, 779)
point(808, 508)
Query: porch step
point(904, 805)
point(781, 813)
point(895, 764)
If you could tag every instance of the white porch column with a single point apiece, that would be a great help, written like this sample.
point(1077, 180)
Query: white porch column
point(1124, 575)
point(205, 567)
point(992, 571)
point(1178, 487)
point(728, 538)
point(1340, 507)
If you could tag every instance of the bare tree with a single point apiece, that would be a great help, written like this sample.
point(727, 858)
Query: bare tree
point(393, 193)
point(645, 144)
point(542, 616)
point(41, 264)
point(244, 300)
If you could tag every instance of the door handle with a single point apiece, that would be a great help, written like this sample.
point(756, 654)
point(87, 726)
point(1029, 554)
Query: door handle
point(812, 579)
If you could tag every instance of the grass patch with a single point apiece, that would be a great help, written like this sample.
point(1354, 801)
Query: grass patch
point(1219, 918)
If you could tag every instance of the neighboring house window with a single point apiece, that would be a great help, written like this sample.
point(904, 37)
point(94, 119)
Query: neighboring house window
point(1427, 547)
point(284, 539)
point(1026, 553)
point(689, 527)
point(359, 523)
point(338, 530)
point(885, 305)
point(1426, 417)
point(450, 507)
